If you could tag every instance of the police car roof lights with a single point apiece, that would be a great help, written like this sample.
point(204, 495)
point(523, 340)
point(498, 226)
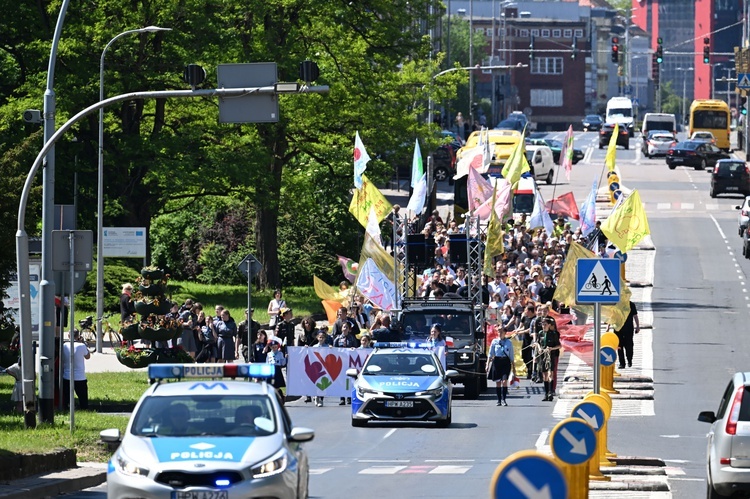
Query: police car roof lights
point(179, 371)
point(401, 344)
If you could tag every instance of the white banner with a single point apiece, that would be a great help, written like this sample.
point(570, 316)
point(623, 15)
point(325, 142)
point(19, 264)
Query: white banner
point(321, 371)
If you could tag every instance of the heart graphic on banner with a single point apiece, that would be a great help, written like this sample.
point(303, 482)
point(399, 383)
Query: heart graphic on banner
point(314, 370)
point(332, 363)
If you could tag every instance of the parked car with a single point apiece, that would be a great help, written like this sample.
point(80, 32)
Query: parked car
point(727, 459)
point(592, 122)
point(730, 176)
point(703, 135)
point(695, 153)
point(541, 162)
point(744, 216)
point(746, 243)
point(512, 124)
point(605, 133)
point(556, 147)
point(455, 139)
point(657, 143)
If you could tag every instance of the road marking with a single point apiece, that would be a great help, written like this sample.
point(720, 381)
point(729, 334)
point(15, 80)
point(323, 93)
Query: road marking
point(390, 433)
point(541, 440)
point(449, 460)
point(382, 470)
point(319, 471)
point(383, 460)
point(447, 469)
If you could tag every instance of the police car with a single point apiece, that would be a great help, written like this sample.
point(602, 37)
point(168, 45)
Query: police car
point(401, 382)
point(209, 438)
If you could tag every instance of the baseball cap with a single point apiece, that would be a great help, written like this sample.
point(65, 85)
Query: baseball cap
point(535, 274)
point(284, 310)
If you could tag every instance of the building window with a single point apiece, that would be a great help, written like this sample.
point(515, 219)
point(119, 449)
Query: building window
point(556, 33)
point(579, 33)
point(488, 32)
point(535, 32)
point(568, 33)
point(546, 98)
point(547, 66)
point(545, 33)
point(524, 33)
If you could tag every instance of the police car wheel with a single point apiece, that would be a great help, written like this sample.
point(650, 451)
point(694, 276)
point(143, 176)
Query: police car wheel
point(359, 423)
point(445, 422)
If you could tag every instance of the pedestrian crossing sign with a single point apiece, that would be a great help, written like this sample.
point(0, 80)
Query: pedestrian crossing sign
point(743, 81)
point(597, 280)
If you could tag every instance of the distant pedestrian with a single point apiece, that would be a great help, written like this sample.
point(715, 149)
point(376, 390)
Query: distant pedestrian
point(243, 336)
point(80, 385)
point(631, 327)
point(549, 345)
point(16, 373)
point(127, 307)
point(321, 341)
point(226, 330)
point(274, 307)
point(500, 365)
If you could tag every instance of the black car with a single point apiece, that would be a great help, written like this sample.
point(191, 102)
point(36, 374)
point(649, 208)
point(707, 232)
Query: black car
point(513, 124)
point(730, 176)
point(592, 122)
point(605, 133)
point(695, 153)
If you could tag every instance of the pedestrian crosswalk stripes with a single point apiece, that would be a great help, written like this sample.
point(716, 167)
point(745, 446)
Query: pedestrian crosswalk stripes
point(406, 468)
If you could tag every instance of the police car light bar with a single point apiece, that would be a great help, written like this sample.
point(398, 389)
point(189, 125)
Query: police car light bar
point(179, 371)
point(401, 344)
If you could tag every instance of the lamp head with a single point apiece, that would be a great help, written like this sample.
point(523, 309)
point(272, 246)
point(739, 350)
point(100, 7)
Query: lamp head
point(152, 29)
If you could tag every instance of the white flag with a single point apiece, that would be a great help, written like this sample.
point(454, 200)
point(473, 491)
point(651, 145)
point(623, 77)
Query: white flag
point(540, 217)
point(416, 201)
point(373, 227)
point(375, 286)
point(360, 160)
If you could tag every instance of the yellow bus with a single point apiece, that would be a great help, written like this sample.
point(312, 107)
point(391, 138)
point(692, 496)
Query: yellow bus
point(713, 116)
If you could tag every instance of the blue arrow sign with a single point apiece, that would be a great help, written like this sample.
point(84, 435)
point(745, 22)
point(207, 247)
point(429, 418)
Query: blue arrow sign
point(573, 441)
point(589, 412)
point(623, 257)
point(597, 280)
point(607, 356)
point(531, 477)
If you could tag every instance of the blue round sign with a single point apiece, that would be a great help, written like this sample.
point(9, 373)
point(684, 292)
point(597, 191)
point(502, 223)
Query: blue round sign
point(623, 257)
point(607, 356)
point(528, 474)
point(589, 412)
point(573, 441)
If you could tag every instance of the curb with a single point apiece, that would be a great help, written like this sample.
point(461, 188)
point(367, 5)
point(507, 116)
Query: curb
point(53, 484)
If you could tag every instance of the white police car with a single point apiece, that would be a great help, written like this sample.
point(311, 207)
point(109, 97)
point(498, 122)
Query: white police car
point(209, 438)
point(402, 383)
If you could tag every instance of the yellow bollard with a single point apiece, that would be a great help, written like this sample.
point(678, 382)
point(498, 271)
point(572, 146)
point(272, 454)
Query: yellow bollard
point(573, 443)
point(592, 412)
point(607, 378)
point(605, 403)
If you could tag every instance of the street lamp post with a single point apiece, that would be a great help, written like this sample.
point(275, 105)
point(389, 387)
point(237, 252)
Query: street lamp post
point(684, 80)
point(100, 188)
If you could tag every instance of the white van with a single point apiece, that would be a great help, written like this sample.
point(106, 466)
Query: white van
point(659, 121)
point(620, 110)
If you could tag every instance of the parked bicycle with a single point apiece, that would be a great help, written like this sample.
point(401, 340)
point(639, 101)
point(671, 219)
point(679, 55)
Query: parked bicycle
point(88, 331)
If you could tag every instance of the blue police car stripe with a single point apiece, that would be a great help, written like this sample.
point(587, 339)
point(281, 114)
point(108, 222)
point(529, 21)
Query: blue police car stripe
point(176, 449)
point(400, 383)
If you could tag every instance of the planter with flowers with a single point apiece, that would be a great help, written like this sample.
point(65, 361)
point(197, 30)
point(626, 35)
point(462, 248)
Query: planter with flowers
point(136, 357)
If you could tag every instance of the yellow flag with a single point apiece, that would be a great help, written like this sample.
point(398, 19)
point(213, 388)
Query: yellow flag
point(371, 249)
point(494, 245)
point(516, 164)
point(566, 289)
point(609, 159)
point(368, 197)
point(326, 292)
point(628, 224)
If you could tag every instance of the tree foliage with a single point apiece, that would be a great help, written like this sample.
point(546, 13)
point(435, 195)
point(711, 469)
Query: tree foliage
point(170, 160)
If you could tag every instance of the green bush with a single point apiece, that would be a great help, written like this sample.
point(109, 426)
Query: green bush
point(116, 274)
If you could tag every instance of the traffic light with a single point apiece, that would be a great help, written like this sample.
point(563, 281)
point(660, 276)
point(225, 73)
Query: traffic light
point(655, 73)
point(743, 105)
point(531, 48)
point(575, 50)
point(707, 50)
point(659, 51)
point(615, 49)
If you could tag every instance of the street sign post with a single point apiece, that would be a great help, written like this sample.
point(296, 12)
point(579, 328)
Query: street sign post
point(597, 282)
point(528, 474)
point(250, 266)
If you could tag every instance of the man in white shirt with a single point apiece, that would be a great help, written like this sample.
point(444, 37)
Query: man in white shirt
point(80, 384)
point(499, 286)
point(535, 286)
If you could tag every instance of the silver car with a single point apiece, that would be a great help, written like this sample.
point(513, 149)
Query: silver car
point(208, 438)
point(657, 143)
point(744, 215)
point(728, 455)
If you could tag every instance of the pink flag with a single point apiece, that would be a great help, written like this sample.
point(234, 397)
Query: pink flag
point(566, 154)
point(349, 267)
point(478, 188)
point(564, 205)
point(502, 202)
point(584, 349)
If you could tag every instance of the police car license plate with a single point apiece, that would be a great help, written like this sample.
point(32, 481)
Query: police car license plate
point(733, 188)
point(201, 494)
point(399, 403)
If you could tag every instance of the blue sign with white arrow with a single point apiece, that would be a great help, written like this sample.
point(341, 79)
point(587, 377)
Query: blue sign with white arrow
point(607, 356)
point(573, 441)
point(597, 280)
point(529, 475)
point(591, 413)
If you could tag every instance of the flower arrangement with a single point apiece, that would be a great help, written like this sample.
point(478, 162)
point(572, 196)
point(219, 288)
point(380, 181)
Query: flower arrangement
point(135, 357)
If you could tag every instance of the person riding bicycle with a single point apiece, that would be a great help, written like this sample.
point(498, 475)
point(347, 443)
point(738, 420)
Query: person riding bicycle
point(593, 281)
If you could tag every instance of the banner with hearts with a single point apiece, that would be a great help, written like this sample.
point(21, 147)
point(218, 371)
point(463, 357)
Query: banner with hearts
point(321, 371)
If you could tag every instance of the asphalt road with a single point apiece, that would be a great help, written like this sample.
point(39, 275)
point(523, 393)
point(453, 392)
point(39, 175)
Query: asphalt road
point(700, 303)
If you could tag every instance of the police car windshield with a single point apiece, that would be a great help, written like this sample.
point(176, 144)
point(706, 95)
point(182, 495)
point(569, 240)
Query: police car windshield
point(416, 364)
point(222, 415)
